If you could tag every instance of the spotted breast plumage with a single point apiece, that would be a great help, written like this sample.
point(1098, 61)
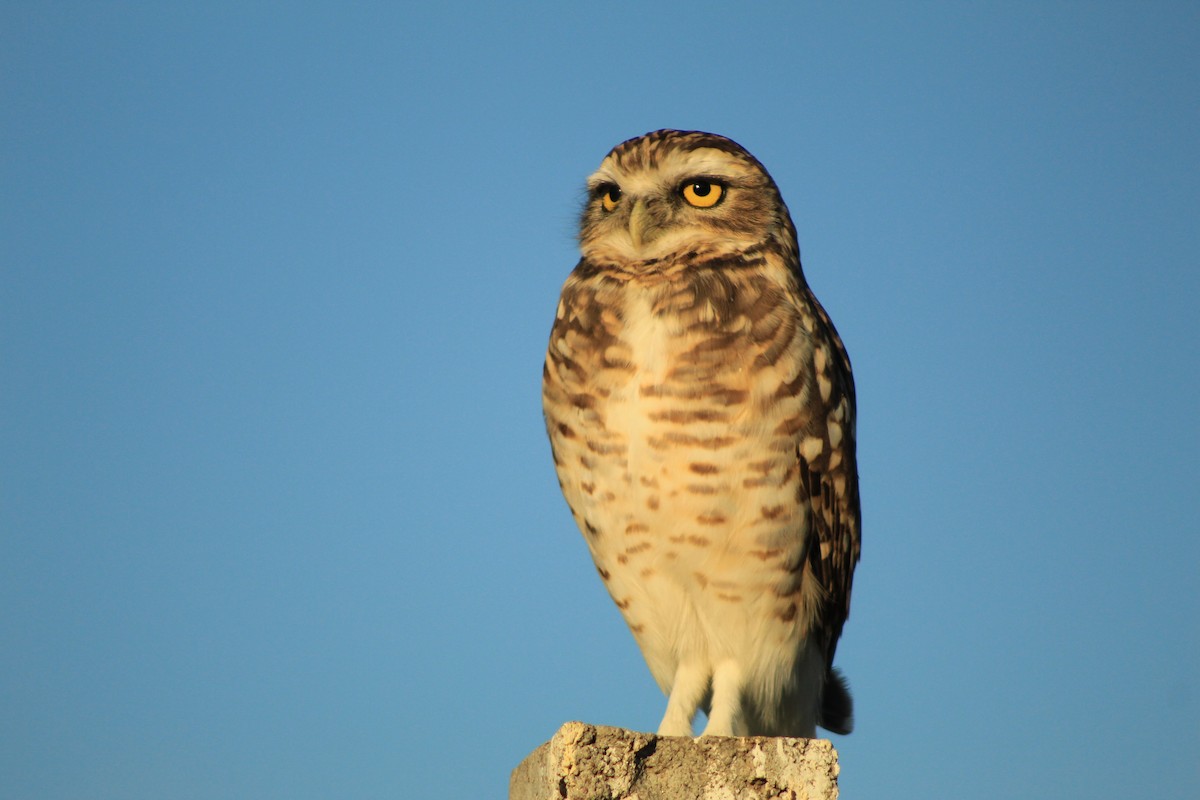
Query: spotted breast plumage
point(700, 408)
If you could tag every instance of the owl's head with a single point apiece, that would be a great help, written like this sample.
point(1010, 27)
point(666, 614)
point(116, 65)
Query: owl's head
point(678, 191)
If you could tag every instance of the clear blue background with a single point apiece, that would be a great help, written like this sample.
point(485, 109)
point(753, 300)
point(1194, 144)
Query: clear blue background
point(277, 512)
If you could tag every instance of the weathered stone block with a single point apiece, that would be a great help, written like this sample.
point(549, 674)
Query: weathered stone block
point(595, 762)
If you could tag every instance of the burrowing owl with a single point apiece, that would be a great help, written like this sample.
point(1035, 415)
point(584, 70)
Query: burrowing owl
point(700, 408)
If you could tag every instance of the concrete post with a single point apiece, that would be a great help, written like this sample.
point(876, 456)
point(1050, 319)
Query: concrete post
point(594, 762)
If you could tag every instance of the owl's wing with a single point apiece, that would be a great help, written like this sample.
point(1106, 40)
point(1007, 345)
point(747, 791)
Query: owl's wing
point(831, 480)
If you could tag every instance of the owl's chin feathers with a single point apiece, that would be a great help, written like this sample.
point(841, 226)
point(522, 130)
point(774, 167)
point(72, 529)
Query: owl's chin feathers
point(669, 249)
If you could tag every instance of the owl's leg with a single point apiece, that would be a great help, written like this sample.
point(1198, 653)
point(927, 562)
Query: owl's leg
point(727, 717)
point(690, 687)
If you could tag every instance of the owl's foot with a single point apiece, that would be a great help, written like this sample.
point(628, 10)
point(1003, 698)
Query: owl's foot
point(726, 717)
point(688, 691)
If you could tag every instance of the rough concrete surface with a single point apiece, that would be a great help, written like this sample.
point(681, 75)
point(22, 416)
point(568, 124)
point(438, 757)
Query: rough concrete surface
point(595, 762)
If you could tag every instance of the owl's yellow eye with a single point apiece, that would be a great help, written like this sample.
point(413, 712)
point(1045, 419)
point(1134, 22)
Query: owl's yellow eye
point(609, 197)
point(702, 194)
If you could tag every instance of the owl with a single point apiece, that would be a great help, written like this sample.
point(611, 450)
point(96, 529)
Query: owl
point(700, 409)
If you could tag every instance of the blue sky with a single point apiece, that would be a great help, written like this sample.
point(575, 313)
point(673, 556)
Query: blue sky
point(277, 511)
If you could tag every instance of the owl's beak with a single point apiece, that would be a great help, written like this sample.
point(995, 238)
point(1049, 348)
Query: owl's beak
point(639, 221)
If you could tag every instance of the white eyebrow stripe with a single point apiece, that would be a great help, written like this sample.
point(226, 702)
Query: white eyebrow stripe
point(601, 177)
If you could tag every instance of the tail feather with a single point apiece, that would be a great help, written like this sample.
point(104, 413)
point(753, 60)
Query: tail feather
point(837, 706)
